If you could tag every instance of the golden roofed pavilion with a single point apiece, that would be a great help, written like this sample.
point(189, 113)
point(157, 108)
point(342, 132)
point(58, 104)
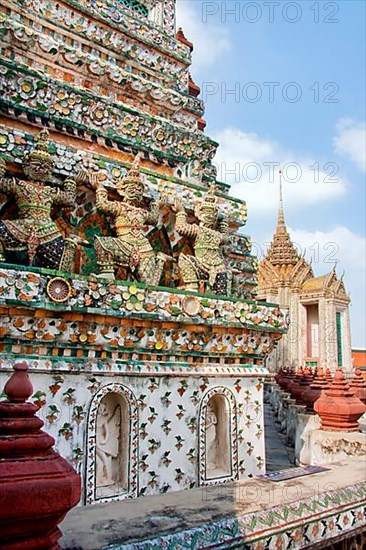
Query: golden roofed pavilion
point(319, 331)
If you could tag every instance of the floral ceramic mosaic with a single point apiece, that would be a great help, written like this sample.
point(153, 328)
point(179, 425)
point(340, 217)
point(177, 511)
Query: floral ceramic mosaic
point(85, 110)
point(96, 64)
point(134, 299)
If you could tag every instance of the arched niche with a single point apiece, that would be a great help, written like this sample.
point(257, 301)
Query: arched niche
point(218, 452)
point(111, 445)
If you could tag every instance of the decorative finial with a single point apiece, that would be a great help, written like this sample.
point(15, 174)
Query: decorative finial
point(30, 467)
point(18, 388)
point(281, 217)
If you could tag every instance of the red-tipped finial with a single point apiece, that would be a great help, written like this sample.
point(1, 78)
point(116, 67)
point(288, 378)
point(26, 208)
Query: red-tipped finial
point(18, 388)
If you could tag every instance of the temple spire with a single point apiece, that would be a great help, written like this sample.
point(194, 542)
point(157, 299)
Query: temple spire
point(281, 225)
point(282, 251)
point(281, 216)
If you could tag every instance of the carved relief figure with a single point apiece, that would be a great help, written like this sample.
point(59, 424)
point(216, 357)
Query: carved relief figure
point(108, 439)
point(131, 248)
point(208, 236)
point(34, 238)
point(211, 438)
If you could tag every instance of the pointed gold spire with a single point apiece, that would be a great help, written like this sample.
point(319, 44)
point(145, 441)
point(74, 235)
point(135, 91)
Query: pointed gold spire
point(282, 250)
point(281, 216)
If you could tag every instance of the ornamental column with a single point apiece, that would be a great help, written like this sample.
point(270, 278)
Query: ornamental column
point(37, 486)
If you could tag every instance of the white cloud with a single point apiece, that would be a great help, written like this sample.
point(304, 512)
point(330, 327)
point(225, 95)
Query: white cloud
point(325, 248)
point(246, 162)
point(210, 41)
point(350, 141)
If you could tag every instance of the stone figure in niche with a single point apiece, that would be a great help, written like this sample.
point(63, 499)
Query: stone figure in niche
point(131, 248)
point(208, 236)
point(217, 438)
point(211, 439)
point(33, 238)
point(108, 442)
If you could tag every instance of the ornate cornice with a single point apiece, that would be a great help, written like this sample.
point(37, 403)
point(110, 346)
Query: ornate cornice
point(328, 286)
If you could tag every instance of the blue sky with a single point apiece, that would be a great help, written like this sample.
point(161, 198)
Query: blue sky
point(318, 58)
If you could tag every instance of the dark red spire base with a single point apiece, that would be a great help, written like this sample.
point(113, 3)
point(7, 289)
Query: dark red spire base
point(37, 486)
point(301, 383)
point(315, 390)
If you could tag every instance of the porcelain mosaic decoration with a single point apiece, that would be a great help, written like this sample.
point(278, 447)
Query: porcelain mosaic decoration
point(124, 281)
point(302, 524)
